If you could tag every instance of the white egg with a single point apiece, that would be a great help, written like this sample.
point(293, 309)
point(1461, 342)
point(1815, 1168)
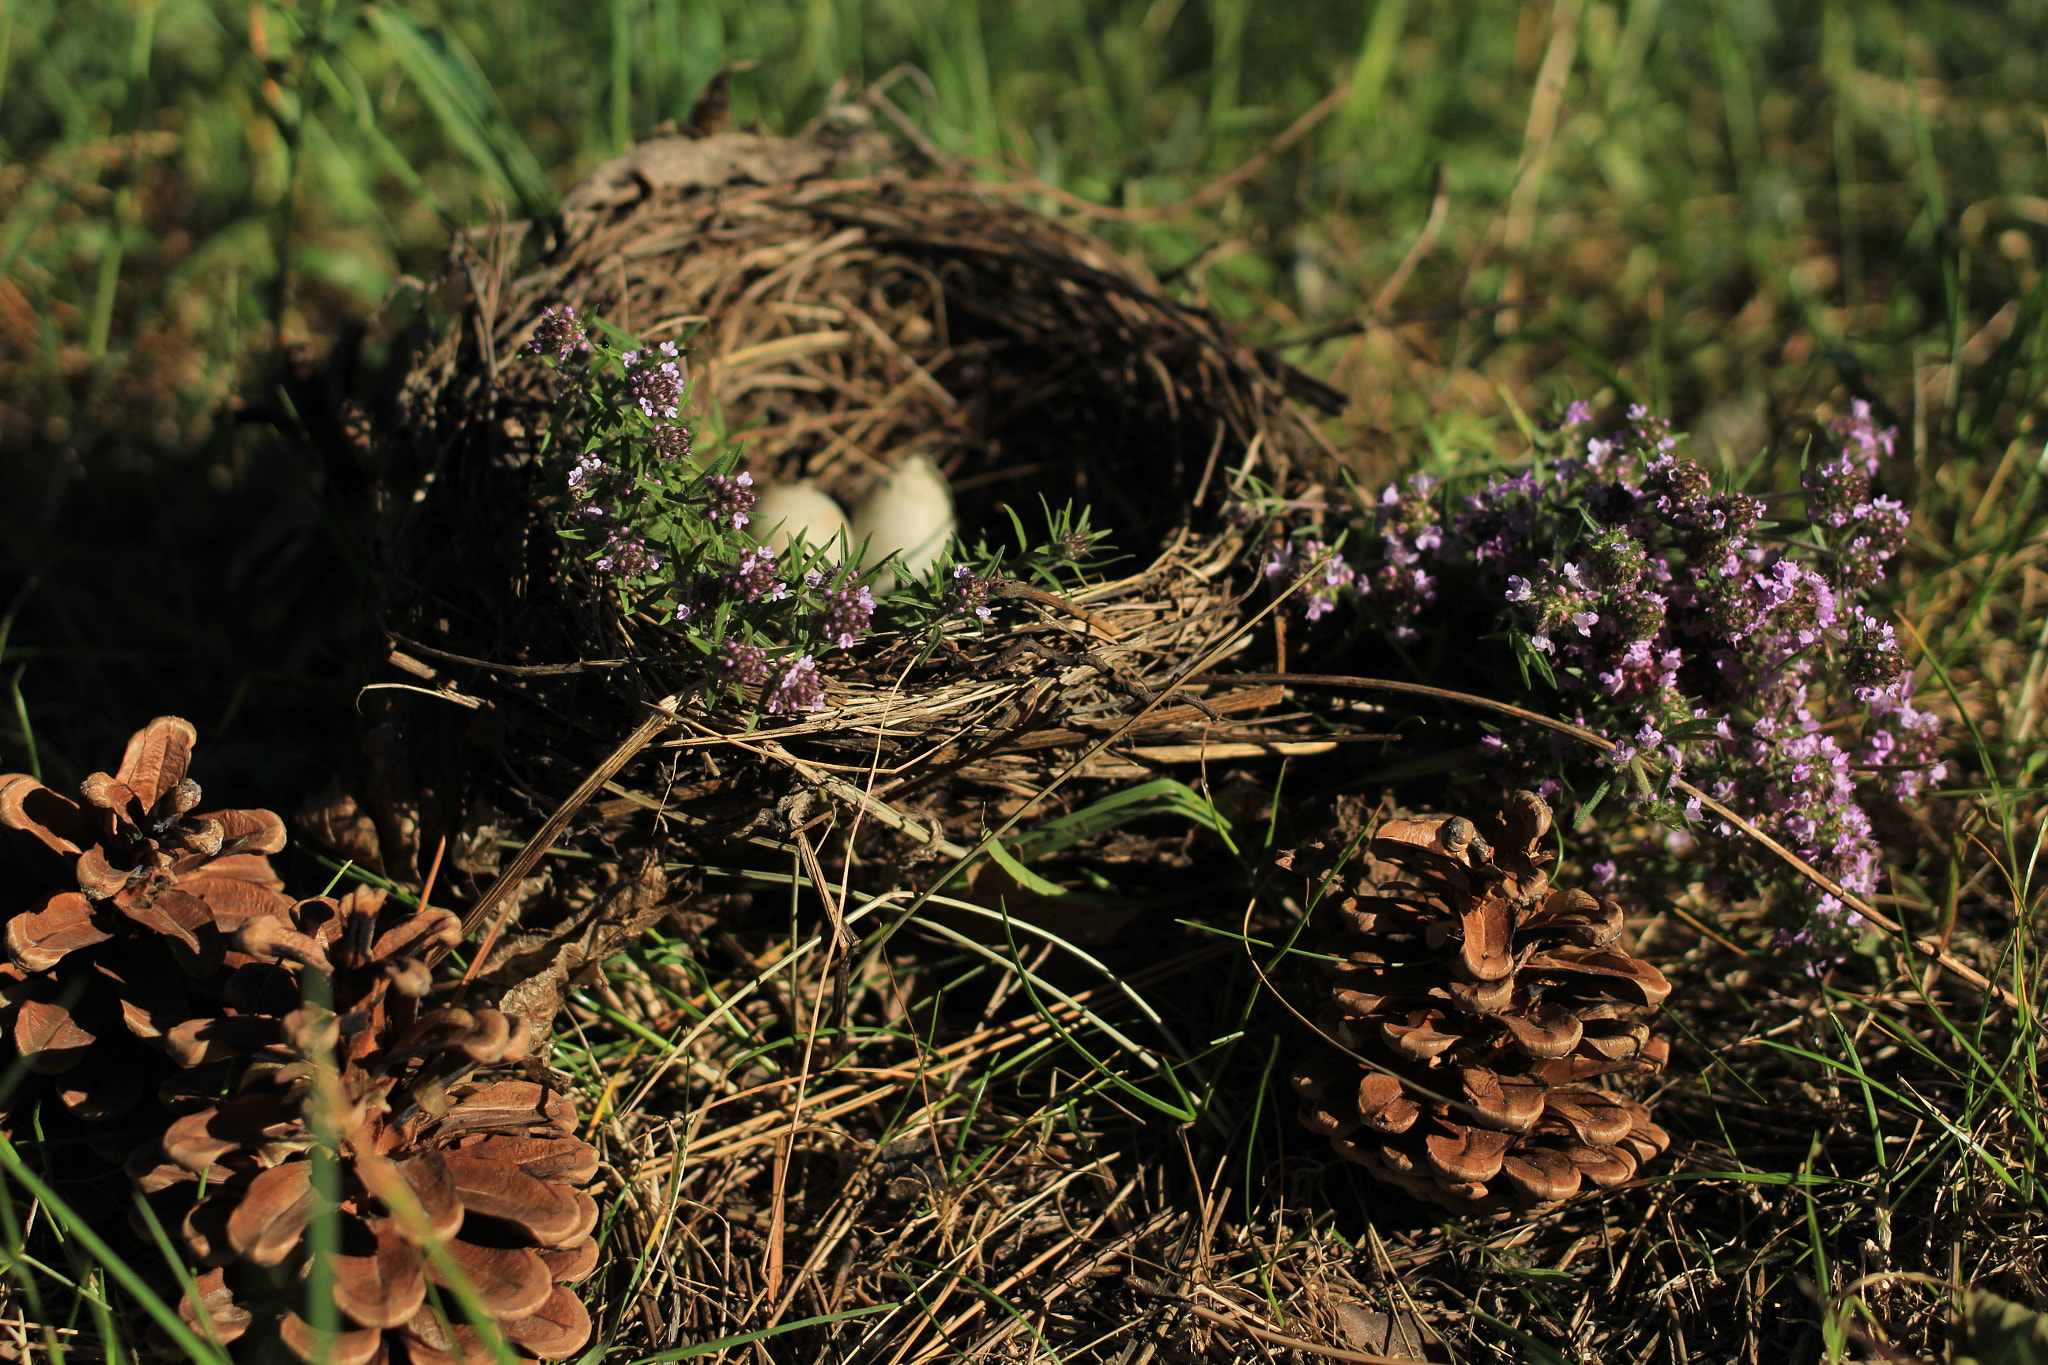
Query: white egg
point(787, 510)
point(909, 512)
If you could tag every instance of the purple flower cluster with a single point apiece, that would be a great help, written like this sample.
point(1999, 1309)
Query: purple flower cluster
point(626, 554)
point(743, 664)
point(671, 442)
point(1326, 574)
point(844, 609)
point(753, 578)
point(799, 688)
point(729, 499)
point(1623, 577)
point(602, 492)
point(967, 594)
point(654, 381)
point(593, 481)
point(1398, 586)
point(1860, 531)
point(559, 336)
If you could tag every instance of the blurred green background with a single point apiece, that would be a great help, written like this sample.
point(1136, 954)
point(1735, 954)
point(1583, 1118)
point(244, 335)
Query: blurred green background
point(1739, 211)
point(186, 177)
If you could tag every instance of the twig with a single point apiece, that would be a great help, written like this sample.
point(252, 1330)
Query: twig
point(1010, 587)
point(1439, 210)
point(930, 836)
point(1927, 947)
point(545, 839)
point(1270, 1337)
point(514, 670)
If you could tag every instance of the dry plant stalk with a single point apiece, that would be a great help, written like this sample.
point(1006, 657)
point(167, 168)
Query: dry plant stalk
point(840, 315)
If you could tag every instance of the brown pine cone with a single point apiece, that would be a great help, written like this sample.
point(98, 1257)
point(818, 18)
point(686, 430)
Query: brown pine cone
point(486, 1171)
point(1485, 1005)
point(114, 906)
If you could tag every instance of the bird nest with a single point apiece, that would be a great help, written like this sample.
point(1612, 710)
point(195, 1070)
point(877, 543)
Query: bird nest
point(838, 313)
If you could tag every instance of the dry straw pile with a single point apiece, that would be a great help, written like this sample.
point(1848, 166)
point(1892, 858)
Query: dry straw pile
point(837, 321)
point(841, 313)
point(835, 1035)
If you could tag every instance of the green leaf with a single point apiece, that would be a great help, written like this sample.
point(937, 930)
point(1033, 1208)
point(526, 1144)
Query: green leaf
point(1162, 796)
point(1023, 875)
point(1592, 803)
point(1996, 1331)
point(456, 90)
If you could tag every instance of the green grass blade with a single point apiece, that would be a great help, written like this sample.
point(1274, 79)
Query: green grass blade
point(455, 91)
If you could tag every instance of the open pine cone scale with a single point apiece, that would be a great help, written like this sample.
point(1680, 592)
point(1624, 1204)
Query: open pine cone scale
point(136, 847)
point(117, 909)
point(440, 1179)
point(1478, 1003)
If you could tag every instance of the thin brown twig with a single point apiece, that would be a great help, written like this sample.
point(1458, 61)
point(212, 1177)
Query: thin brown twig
point(1237, 1324)
point(1439, 210)
point(557, 824)
point(1928, 948)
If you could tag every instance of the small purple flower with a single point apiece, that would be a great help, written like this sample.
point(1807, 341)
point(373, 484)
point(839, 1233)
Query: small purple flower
point(1604, 873)
point(730, 499)
point(559, 336)
point(656, 384)
point(742, 664)
point(967, 594)
point(1519, 589)
point(799, 688)
point(844, 617)
point(1577, 414)
point(753, 578)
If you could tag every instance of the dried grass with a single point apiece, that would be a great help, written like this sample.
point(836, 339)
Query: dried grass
point(855, 1111)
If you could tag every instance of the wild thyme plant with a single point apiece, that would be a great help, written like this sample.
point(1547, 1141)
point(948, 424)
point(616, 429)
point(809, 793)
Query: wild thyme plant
point(667, 531)
point(1667, 615)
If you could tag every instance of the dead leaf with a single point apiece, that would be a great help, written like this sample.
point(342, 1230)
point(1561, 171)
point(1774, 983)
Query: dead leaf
point(1377, 1333)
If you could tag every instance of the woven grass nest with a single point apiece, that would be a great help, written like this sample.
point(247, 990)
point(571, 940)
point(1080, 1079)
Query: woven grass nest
point(840, 311)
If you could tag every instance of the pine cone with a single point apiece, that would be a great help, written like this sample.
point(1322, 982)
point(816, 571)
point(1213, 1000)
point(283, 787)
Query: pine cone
point(1485, 1004)
point(112, 907)
point(485, 1170)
